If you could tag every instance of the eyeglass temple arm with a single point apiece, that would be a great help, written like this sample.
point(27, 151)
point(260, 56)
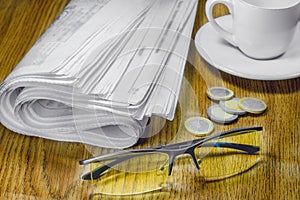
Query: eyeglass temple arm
point(243, 147)
point(234, 132)
point(229, 133)
point(247, 148)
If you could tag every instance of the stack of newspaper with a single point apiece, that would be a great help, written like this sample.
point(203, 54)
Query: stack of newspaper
point(100, 71)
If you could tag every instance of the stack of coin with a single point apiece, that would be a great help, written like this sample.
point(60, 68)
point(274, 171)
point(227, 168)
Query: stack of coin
point(229, 108)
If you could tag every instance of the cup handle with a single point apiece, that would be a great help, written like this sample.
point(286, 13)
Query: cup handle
point(229, 37)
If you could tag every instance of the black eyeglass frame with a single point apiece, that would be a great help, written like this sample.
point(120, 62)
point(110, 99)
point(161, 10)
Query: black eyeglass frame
point(173, 151)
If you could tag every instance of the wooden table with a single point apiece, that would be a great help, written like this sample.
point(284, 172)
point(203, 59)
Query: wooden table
point(36, 168)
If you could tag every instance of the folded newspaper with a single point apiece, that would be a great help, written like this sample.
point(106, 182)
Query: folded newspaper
point(100, 71)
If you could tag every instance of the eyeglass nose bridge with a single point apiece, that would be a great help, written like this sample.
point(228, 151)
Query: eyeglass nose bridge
point(174, 155)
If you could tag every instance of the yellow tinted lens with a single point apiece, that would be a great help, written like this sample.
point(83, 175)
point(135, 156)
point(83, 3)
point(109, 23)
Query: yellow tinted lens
point(137, 173)
point(222, 158)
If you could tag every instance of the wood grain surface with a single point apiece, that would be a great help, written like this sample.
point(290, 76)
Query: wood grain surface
point(36, 168)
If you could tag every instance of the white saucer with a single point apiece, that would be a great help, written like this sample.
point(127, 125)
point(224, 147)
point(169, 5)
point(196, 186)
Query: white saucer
point(227, 58)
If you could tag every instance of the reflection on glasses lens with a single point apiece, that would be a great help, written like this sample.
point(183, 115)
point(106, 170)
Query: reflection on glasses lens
point(229, 156)
point(131, 174)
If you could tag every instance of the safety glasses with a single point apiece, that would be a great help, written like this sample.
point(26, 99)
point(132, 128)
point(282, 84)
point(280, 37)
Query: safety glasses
point(218, 156)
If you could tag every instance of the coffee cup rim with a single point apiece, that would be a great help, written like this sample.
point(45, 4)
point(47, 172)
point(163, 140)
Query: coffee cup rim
point(291, 5)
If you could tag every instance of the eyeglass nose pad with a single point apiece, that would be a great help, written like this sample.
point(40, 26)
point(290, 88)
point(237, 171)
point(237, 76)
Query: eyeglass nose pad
point(195, 160)
point(171, 162)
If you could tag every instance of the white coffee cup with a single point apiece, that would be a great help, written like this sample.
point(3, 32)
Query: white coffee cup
point(262, 29)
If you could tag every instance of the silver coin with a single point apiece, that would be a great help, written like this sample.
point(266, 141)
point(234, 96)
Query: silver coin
point(219, 93)
point(232, 106)
point(252, 105)
point(199, 126)
point(217, 114)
